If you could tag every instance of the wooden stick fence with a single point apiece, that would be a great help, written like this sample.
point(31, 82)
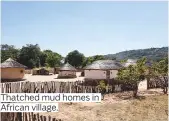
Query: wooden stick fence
point(15, 116)
point(62, 87)
point(47, 87)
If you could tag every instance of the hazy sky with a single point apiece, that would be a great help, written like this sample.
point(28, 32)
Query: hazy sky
point(90, 27)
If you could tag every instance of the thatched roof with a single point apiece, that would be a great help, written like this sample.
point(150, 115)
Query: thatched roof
point(10, 63)
point(67, 67)
point(130, 62)
point(134, 62)
point(104, 65)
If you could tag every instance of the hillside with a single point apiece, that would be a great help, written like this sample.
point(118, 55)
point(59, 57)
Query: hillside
point(150, 53)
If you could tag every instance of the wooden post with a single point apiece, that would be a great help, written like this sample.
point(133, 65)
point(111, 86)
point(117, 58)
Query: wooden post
point(19, 116)
point(38, 118)
point(54, 119)
point(49, 118)
point(44, 118)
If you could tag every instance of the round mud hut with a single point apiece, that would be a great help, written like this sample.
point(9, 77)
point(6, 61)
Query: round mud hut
point(67, 71)
point(12, 70)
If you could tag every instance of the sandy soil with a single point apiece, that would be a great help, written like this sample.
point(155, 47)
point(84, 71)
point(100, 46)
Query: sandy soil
point(115, 108)
point(33, 78)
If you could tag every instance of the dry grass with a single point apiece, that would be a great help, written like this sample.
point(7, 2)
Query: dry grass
point(113, 108)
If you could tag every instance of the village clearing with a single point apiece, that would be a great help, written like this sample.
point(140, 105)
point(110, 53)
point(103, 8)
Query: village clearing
point(151, 105)
point(42, 78)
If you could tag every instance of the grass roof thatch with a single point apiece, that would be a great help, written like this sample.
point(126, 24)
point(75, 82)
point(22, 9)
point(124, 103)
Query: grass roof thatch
point(67, 67)
point(104, 65)
point(134, 62)
point(10, 63)
point(130, 62)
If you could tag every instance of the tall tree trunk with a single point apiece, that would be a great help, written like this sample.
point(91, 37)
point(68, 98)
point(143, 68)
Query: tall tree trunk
point(165, 85)
point(148, 81)
point(135, 90)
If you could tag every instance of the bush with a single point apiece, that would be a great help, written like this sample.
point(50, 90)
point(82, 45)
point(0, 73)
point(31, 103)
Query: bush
point(102, 87)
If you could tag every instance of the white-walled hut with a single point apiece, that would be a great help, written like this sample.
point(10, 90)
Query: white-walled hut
point(102, 69)
point(11, 69)
point(67, 71)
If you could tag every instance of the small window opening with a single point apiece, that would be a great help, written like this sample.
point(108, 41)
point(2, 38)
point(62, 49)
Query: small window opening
point(21, 71)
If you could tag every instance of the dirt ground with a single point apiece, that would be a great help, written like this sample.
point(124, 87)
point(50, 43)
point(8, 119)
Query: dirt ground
point(150, 106)
point(33, 78)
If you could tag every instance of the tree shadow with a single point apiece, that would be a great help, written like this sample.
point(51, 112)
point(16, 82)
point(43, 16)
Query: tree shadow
point(11, 80)
point(129, 96)
point(139, 97)
point(65, 78)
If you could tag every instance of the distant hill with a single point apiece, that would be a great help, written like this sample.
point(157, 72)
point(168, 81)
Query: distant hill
point(154, 54)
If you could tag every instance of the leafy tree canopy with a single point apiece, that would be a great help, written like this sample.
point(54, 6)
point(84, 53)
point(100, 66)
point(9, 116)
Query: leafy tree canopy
point(8, 51)
point(75, 58)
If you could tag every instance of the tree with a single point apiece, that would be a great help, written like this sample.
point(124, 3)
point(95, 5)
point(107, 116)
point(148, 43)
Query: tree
point(30, 55)
point(89, 60)
point(98, 57)
point(53, 59)
point(160, 72)
point(8, 51)
point(75, 58)
point(102, 88)
point(43, 57)
point(133, 75)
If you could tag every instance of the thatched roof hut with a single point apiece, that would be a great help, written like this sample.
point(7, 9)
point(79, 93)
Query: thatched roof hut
point(102, 69)
point(67, 67)
point(40, 71)
point(67, 71)
point(11, 69)
point(130, 62)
